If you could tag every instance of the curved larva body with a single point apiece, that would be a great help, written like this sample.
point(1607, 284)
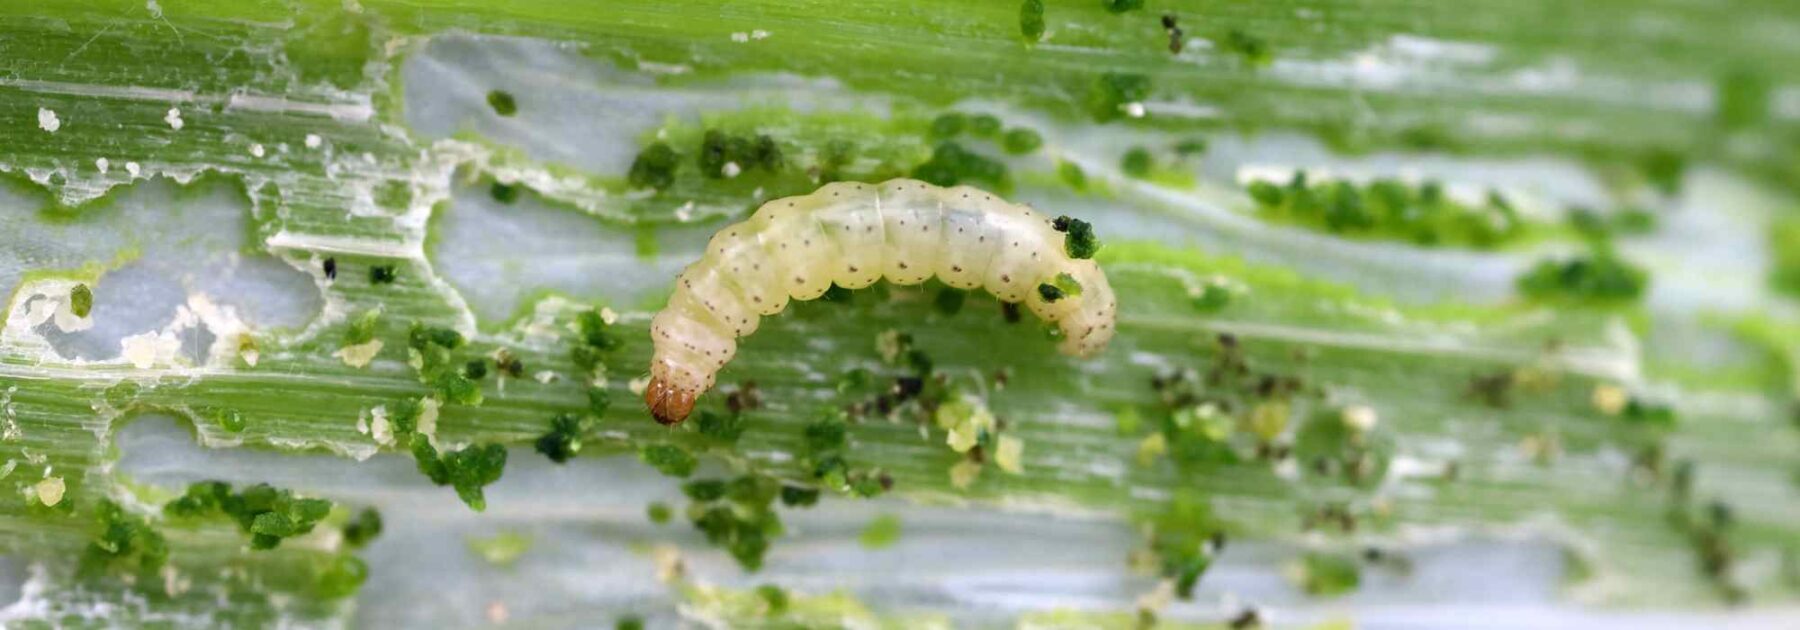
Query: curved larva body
point(853, 235)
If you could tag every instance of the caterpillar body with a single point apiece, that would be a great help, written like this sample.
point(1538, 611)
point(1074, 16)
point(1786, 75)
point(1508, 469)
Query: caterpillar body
point(854, 234)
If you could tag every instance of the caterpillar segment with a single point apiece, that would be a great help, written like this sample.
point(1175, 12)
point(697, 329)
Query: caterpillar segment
point(853, 235)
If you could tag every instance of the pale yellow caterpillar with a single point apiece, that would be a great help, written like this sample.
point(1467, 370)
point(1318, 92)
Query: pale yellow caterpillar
point(854, 234)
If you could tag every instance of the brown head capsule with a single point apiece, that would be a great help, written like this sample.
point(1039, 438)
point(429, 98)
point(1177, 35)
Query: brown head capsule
point(668, 404)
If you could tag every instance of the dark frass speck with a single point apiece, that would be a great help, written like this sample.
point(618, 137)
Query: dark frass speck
point(774, 597)
point(383, 274)
point(81, 300)
point(950, 300)
point(230, 420)
point(1031, 20)
point(948, 125)
point(1138, 162)
point(1122, 6)
point(502, 102)
point(1112, 91)
point(984, 125)
point(1020, 141)
point(362, 528)
point(658, 512)
point(668, 459)
point(654, 167)
point(563, 441)
point(504, 193)
point(1079, 242)
point(467, 470)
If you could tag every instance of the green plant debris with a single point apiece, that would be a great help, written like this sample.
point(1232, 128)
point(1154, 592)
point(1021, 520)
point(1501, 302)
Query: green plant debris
point(659, 512)
point(1602, 278)
point(1112, 93)
point(655, 167)
point(503, 549)
point(725, 428)
point(504, 193)
point(1020, 141)
point(266, 513)
point(1252, 49)
point(1122, 6)
point(1784, 248)
point(1138, 163)
point(81, 300)
point(1183, 539)
point(726, 155)
point(1388, 209)
point(502, 102)
point(774, 597)
point(1212, 298)
point(1327, 574)
point(1031, 20)
point(362, 528)
point(952, 164)
point(1079, 242)
point(880, 533)
point(948, 125)
point(736, 515)
point(124, 540)
point(467, 470)
point(668, 459)
point(342, 577)
point(563, 441)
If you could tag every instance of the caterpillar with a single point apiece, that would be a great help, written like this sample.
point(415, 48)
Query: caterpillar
point(852, 235)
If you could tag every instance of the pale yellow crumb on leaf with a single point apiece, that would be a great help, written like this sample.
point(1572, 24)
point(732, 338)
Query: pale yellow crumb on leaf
point(1152, 447)
point(964, 473)
point(360, 354)
point(1361, 418)
point(50, 490)
point(1610, 399)
point(1008, 454)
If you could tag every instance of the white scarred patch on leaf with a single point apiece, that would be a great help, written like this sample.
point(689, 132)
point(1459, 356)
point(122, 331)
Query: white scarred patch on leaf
point(379, 427)
point(47, 120)
point(146, 350)
point(427, 422)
